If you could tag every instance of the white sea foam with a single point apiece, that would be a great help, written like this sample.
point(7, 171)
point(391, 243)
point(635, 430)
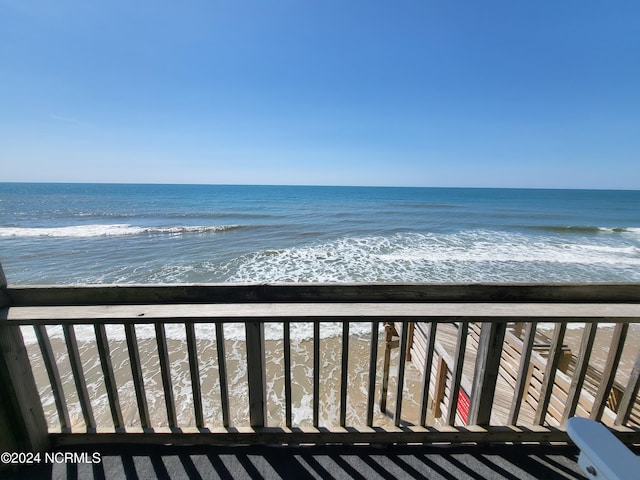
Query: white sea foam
point(463, 256)
point(106, 230)
point(232, 331)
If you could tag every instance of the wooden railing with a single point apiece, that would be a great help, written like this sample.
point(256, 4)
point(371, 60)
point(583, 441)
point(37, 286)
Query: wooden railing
point(486, 317)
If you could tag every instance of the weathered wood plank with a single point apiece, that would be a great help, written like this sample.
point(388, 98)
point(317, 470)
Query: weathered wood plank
point(550, 372)
point(426, 373)
point(522, 376)
point(609, 372)
point(588, 337)
point(309, 292)
point(194, 372)
point(165, 374)
point(344, 374)
point(256, 374)
point(377, 435)
point(136, 374)
point(439, 388)
point(21, 411)
point(630, 394)
point(23, 426)
point(402, 360)
point(279, 312)
point(386, 364)
point(316, 373)
point(109, 378)
point(373, 360)
point(287, 374)
point(54, 376)
point(488, 358)
point(222, 374)
point(78, 375)
point(412, 327)
point(461, 344)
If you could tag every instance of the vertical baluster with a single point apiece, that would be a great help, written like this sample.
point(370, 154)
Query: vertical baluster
point(109, 377)
point(630, 394)
point(550, 372)
point(78, 376)
point(401, 367)
point(222, 374)
point(316, 373)
point(165, 373)
point(389, 331)
point(344, 374)
point(136, 374)
point(426, 372)
point(373, 359)
point(287, 373)
point(588, 337)
point(523, 369)
point(256, 374)
point(610, 368)
point(194, 370)
point(54, 375)
point(461, 345)
point(486, 372)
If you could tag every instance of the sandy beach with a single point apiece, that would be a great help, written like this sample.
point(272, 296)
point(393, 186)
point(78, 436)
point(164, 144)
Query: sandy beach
point(302, 388)
point(302, 376)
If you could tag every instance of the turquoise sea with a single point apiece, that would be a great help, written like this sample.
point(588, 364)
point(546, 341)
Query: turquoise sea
point(125, 233)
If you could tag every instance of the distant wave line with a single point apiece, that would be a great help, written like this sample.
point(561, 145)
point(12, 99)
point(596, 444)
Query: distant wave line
point(99, 214)
point(585, 229)
point(109, 230)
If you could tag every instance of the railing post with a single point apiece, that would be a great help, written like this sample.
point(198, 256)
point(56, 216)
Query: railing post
point(23, 427)
point(486, 372)
point(256, 374)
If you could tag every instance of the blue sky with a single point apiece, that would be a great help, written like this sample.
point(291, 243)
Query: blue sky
point(417, 93)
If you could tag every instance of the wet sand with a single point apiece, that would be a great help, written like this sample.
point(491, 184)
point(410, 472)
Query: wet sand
point(302, 384)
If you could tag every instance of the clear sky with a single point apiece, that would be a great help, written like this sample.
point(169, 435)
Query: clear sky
point(341, 92)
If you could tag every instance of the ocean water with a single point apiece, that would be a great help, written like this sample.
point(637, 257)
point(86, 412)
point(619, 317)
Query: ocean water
point(141, 234)
point(104, 234)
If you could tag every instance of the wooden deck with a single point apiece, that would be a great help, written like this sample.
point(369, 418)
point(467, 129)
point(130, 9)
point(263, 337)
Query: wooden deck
point(490, 383)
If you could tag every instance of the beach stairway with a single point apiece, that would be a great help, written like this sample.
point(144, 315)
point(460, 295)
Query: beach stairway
point(575, 388)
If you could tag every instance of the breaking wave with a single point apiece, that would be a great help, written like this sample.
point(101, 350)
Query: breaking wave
point(109, 230)
point(581, 229)
point(460, 257)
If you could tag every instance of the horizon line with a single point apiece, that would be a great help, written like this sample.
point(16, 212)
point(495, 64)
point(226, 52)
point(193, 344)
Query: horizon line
point(316, 185)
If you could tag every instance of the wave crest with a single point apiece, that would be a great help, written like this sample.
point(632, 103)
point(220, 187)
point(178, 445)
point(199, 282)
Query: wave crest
point(463, 256)
point(581, 229)
point(109, 230)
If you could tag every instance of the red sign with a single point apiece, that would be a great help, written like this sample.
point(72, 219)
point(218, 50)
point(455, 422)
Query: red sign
point(463, 406)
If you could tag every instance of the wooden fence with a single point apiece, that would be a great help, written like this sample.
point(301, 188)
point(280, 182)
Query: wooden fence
point(490, 310)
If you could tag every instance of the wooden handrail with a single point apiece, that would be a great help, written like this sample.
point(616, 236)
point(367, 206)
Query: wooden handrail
point(336, 312)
